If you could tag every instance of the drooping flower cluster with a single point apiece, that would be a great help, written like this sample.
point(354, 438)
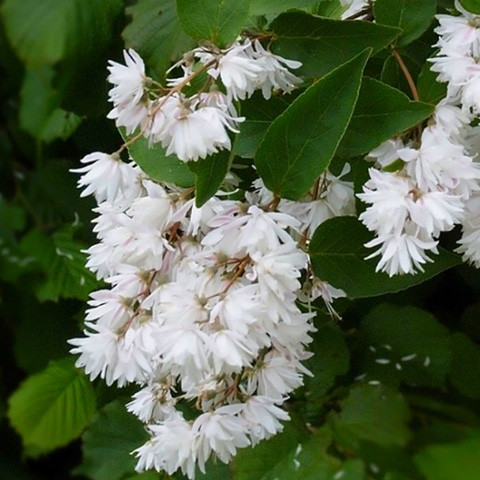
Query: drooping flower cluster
point(436, 185)
point(193, 127)
point(200, 308)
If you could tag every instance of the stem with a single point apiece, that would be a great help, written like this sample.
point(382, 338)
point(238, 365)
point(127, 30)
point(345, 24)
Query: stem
point(406, 73)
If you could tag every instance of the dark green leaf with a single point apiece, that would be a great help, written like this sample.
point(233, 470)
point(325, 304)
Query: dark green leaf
point(470, 5)
point(108, 441)
point(63, 263)
point(381, 112)
point(158, 166)
point(300, 143)
point(333, 9)
point(155, 33)
point(52, 408)
point(322, 44)
point(459, 461)
point(42, 33)
point(264, 7)
point(338, 256)
point(412, 16)
point(371, 413)
point(404, 344)
point(217, 21)
point(429, 89)
point(209, 175)
point(465, 368)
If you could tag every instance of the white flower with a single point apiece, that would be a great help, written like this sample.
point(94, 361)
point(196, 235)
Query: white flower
point(387, 152)
point(153, 403)
point(107, 178)
point(130, 107)
point(221, 431)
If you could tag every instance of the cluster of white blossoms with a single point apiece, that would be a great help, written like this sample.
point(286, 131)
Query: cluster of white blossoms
point(193, 127)
point(425, 186)
point(201, 308)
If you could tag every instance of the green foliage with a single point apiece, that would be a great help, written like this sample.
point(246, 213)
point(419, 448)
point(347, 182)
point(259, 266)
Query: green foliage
point(299, 144)
point(412, 16)
point(217, 21)
point(381, 112)
point(52, 407)
point(470, 5)
point(322, 44)
point(338, 255)
point(112, 434)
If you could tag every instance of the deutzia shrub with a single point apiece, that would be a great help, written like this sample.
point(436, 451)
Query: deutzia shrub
point(212, 273)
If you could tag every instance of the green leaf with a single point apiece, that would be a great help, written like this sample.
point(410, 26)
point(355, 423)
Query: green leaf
point(322, 44)
point(300, 143)
point(381, 113)
point(371, 413)
point(404, 344)
point(338, 254)
point(62, 261)
point(42, 33)
point(107, 443)
point(470, 5)
point(209, 175)
point(459, 461)
point(331, 9)
point(40, 112)
point(217, 21)
point(155, 33)
point(259, 113)
point(52, 408)
point(429, 89)
point(464, 372)
point(158, 166)
point(412, 16)
point(264, 7)
point(256, 462)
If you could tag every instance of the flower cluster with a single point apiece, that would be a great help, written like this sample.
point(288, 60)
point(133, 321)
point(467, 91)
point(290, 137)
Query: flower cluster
point(201, 308)
point(436, 185)
point(195, 126)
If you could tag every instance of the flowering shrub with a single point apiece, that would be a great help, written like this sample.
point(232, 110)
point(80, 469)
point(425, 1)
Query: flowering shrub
point(282, 178)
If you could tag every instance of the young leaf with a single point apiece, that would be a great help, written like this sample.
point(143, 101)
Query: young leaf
point(381, 113)
point(322, 44)
point(412, 16)
point(209, 175)
point(338, 254)
point(112, 435)
point(404, 344)
point(217, 21)
point(52, 407)
point(155, 33)
point(371, 413)
point(300, 143)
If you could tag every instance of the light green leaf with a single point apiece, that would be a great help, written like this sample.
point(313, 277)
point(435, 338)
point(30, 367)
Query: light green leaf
point(371, 413)
point(217, 21)
point(472, 6)
point(51, 408)
point(464, 374)
point(264, 7)
point(412, 16)
point(155, 33)
point(333, 9)
point(209, 175)
point(404, 344)
point(45, 32)
point(300, 143)
point(459, 461)
point(322, 44)
point(107, 443)
point(63, 263)
point(338, 256)
point(381, 113)
point(158, 166)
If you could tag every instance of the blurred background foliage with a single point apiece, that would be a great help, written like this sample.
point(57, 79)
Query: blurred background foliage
point(396, 389)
